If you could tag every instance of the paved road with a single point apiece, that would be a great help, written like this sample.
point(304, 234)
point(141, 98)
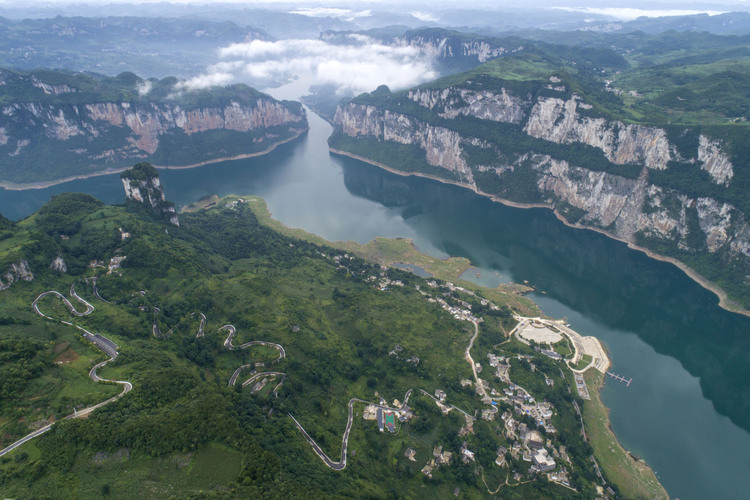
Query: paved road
point(96, 289)
point(262, 374)
point(100, 341)
point(228, 345)
point(341, 464)
point(232, 333)
point(89, 307)
point(449, 406)
point(479, 385)
point(200, 326)
point(155, 328)
point(233, 378)
point(35, 305)
point(26, 438)
point(278, 347)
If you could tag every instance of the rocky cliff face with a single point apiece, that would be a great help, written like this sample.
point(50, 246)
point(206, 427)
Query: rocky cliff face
point(444, 47)
point(16, 272)
point(487, 105)
point(558, 120)
point(454, 51)
point(81, 132)
point(441, 145)
point(626, 205)
point(144, 124)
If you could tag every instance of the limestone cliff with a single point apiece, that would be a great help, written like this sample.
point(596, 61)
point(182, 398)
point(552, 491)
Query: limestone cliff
point(90, 123)
point(558, 120)
point(452, 51)
point(551, 148)
point(142, 185)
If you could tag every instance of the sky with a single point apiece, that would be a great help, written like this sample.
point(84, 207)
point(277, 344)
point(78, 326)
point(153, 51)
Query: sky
point(659, 6)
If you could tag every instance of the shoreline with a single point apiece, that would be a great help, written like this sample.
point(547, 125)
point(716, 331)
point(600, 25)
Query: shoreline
point(641, 467)
point(724, 301)
point(12, 186)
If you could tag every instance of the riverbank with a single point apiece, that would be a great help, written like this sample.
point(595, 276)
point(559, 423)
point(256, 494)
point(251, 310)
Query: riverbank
point(12, 186)
point(724, 301)
point(633, 477)
point(389, 252)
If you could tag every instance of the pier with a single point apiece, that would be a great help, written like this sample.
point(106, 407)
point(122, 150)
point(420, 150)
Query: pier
point(620, 378)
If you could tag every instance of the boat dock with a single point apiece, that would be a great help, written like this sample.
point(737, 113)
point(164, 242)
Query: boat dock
point(620, 378)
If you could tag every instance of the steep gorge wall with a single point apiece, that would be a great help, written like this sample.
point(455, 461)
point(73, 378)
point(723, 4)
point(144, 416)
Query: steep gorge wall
point(50, 130)
point(629, 207)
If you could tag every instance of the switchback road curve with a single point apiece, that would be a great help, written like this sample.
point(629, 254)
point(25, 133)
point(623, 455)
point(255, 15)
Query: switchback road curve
point(100, 341)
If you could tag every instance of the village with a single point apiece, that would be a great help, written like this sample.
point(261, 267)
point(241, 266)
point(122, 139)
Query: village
point(525, 424)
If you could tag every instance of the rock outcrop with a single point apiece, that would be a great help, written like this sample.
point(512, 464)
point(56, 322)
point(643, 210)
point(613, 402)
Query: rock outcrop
point(16, 272)
point(456, 51)
point(441, 145)
point(558, 120)
point(487, 105)
point(59, 265)
point(142, 185)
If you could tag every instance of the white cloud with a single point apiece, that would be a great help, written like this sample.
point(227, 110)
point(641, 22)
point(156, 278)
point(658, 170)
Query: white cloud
point(208, 80)
point(424, 16)
point(628, 14)
point(359, 67)
point(144, 87)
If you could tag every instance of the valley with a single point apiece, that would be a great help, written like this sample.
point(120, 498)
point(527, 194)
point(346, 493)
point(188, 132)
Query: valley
point(491, 271)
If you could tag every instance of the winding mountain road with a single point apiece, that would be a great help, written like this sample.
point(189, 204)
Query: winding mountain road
point(231, 347)
point(100, 341)
point(96, 289)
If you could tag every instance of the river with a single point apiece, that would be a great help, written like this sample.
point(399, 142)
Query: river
point(687, 411)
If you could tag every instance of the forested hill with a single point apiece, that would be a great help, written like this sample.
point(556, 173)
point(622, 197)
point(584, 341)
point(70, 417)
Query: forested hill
point(57, 124)
point(226, 329)
point(665, 166)
point(158, 46)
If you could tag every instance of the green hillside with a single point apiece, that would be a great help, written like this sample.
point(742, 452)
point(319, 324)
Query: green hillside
point(348, 330)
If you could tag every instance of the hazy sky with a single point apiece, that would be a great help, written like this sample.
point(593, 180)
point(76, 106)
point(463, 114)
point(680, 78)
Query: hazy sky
point(593, 6)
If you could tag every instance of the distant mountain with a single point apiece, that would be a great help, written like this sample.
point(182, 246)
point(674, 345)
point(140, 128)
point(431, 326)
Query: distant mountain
point(57, 125)
point(730, 23)
point(155, 46)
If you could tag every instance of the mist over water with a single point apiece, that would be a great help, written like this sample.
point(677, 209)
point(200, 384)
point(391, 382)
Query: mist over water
point(687, 410)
